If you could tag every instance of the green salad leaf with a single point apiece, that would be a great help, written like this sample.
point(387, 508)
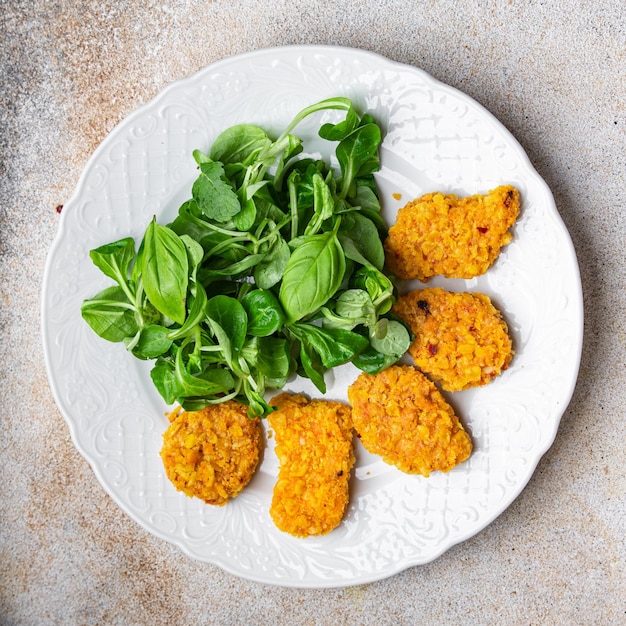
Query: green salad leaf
point(274, 267)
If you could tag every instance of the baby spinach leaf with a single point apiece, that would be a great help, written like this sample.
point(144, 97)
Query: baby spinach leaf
point(366, 198)
point(300, 181)
point(110, 315)
point(266, 206)
point(213, 194)
point(229, 318)
point(272, 266)
point(195, 253)
point(165, 269)
point(153, 342)
point(364, 238)
point(377, 284)
point(191, 222)
point(356, 305)
point(334, 346)
point(323, 204)
point(200, 157)
point(289, 149)
point(312, 367)
point(244, 220)
point(372, 164)
point(163, 377)
point(341, 103)
point(372, 362)
point(394, 341)
point(339, 131)
point(196, 315)
point(238, 268)
point(270, 355)
point(239, 144)
point(213, 381)
point(257, 407)
point(355, 151)
point(265, 315)
point(351, 250)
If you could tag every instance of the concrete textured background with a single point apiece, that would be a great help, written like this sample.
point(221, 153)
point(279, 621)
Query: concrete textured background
point(553, 72)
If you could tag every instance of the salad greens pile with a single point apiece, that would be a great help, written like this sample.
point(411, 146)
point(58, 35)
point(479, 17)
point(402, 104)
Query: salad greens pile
point(273, 267)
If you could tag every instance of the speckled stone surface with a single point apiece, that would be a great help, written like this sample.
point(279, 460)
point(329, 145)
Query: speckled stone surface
point(553, 72)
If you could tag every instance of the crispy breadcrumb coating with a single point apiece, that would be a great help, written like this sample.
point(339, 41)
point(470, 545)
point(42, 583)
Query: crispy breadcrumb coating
point(400, 415)
point(212, 454)
point(461, 339)
point(314, 448)
point(442, 234)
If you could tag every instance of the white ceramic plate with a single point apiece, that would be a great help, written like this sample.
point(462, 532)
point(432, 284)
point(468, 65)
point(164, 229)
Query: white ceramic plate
point(435, 139)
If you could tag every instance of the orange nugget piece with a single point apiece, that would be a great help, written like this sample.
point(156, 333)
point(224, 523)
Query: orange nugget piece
point(442, 234)
point(212, 454)
point(461, 339)
point(314, 448)
point(400, 415)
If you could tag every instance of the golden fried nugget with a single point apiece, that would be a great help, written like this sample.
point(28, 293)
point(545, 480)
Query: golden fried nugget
point(400, 415)
point(460, 340)
point(314, 448)
point(441, 234)
point(212, 454)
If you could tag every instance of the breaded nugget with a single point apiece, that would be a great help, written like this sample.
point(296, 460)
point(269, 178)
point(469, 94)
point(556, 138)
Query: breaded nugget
point(441, 234)
point(460, 340)
point(314, 448)
point(400, 415)
point(212, 454)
